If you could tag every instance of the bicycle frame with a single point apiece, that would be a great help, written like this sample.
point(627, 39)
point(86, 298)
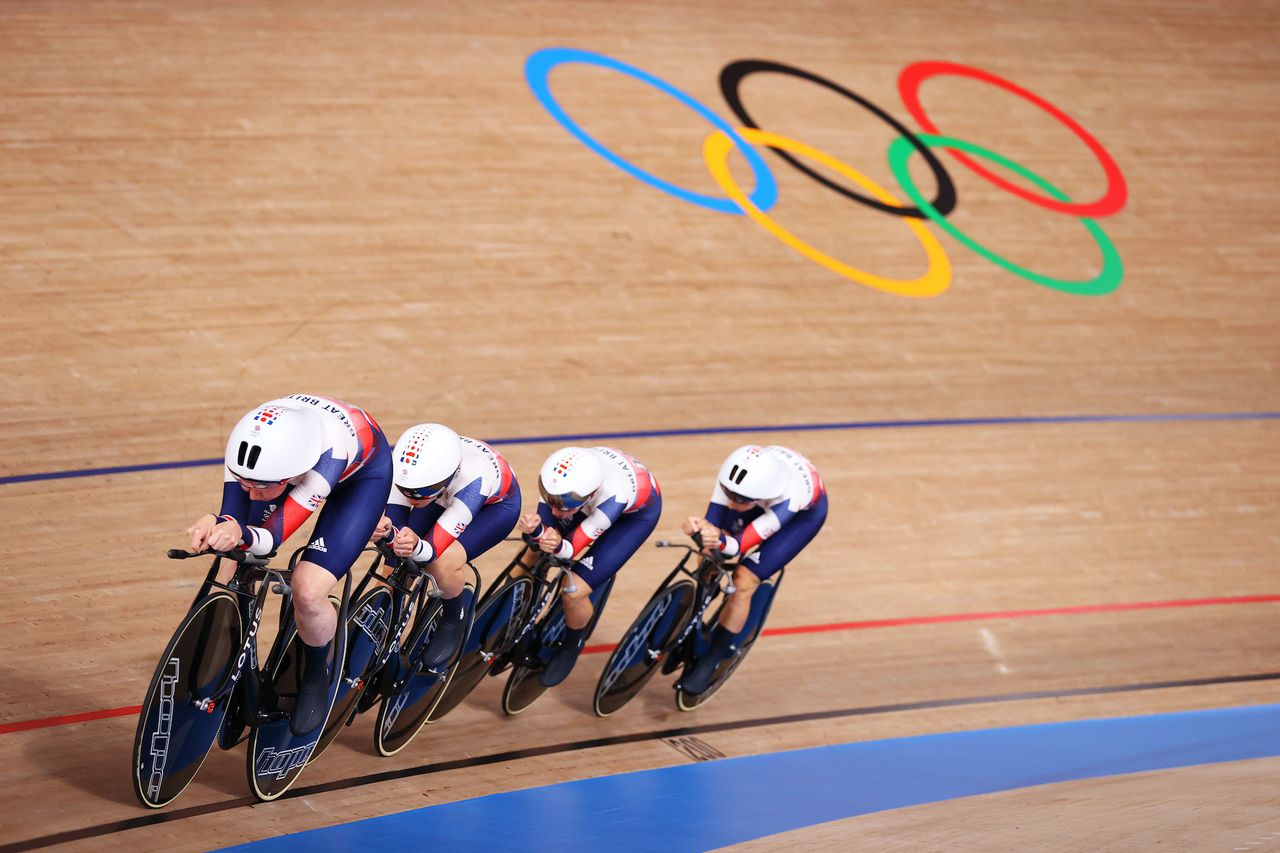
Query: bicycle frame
point(548, 588)
point(407, 592)
point(706, 592)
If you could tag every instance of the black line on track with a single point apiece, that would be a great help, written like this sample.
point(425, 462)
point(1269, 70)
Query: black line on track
point(615, 740)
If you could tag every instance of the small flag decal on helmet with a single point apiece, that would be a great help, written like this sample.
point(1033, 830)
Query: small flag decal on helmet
point(268, 414)
point(566, 464)
point(411, 453)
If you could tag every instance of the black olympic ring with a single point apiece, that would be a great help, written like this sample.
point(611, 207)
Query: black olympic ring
point(731, 77)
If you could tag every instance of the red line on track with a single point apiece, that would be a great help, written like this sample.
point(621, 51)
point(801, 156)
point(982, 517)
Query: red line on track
point(88, 716)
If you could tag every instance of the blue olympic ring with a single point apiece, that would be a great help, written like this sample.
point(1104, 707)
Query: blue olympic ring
point(538, 67)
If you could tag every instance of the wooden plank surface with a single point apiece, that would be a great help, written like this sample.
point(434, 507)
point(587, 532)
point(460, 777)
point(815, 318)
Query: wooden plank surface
point(210, 206)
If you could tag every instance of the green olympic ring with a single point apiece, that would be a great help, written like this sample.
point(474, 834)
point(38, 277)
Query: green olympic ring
point(1107, 280)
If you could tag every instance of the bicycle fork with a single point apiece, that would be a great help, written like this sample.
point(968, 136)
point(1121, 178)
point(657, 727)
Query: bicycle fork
point(707, 598)
point(248, 652)
point(393, 648)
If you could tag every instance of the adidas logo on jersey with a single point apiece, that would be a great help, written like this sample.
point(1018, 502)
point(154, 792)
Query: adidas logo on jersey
point(318, 545)
point(587, 562)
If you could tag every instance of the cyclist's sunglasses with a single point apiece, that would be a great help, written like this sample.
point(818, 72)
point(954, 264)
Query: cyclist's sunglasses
point(734, 497)
point(425, 493)
point(572, 500)
point(258, 484)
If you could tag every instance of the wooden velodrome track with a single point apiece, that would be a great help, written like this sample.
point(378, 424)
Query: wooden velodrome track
point(210, 205)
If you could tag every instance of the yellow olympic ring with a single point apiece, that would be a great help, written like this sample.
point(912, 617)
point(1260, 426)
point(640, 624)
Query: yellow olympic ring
point(715, 151)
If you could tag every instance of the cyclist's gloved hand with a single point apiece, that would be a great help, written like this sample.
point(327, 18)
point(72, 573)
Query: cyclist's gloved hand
point(549, 541)
point(199, 531)
point(225, 536)
point(705, 535)
point(384, 531)
point(405, 542)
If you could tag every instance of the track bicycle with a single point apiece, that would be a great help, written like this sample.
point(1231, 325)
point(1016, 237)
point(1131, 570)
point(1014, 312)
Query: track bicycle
point(210, 684)
point(505, 633)
point(386, 645)
point(541, 640)
point(672, 629)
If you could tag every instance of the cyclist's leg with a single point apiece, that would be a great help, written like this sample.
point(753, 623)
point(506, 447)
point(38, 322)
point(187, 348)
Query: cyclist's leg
point(766, 561)
point(490, 526)
point(782, 546)
point(734, 614)
point(609, 553)
point(576, 600)
point(346, 522)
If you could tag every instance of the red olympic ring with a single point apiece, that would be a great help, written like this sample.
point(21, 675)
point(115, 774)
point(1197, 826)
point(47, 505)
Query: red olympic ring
point(1117, 191)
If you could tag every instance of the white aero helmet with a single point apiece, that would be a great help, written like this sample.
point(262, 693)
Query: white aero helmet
point(274, 443)
point(570, 477)
point(752, 473)
point(426, 458)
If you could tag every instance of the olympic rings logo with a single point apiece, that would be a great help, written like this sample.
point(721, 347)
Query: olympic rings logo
point(756, 204)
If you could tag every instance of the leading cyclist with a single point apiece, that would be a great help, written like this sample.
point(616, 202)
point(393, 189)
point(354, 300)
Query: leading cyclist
point(767, 505)
point(286, 459)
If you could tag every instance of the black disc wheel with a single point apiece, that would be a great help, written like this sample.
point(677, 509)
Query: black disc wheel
point(522, 690)
point(499, 619)
point(276, 755)
point(186, 702)
point(644, 646)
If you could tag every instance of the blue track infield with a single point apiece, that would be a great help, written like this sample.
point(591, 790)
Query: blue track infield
point(720, 430)
point(701, 806)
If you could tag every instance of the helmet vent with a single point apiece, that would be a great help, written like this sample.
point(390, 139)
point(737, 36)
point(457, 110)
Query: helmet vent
point(244, 448)
point(254, 453)
point(737, 475)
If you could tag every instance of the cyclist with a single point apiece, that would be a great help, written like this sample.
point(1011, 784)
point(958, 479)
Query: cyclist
point(454, 498)
point(768, 503)
point(598, 506)
point(286, 459)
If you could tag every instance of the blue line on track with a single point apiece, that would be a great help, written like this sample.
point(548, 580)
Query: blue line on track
point(724, 430)
point(707, 805)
